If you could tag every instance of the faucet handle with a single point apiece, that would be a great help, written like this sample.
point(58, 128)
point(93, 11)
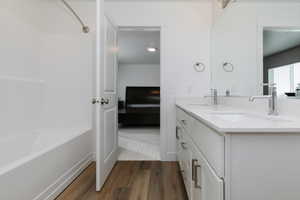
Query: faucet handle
point(269, 84)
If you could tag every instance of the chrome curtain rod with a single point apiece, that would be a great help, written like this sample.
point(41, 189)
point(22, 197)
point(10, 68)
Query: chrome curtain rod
point(85, 28)
point(224, 3)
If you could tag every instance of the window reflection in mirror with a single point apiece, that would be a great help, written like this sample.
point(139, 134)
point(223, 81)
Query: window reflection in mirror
point(282, 59)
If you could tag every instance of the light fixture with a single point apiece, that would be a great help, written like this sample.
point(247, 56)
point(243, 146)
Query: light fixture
point(151, 49)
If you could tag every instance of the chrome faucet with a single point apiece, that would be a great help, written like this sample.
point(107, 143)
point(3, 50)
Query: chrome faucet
point(272, 97)
point(213, 96)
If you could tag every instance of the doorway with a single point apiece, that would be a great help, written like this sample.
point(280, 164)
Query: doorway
point(139, 94)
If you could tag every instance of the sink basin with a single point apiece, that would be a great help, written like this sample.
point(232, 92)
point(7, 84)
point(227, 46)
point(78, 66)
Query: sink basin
point(229, 116)
point(236, 116)
point(199, 104)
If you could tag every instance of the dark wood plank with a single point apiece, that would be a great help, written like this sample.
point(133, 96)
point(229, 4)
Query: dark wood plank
point(130, 180)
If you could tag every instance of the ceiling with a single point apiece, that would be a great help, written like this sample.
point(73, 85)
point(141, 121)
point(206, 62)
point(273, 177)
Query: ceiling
point(276, 41)
point(133, 46)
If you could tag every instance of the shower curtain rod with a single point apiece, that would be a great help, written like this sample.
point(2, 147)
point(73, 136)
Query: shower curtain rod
point(85, 28)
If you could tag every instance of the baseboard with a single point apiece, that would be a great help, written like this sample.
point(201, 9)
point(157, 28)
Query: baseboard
point(66, 179)
point(94, 156)
point(171, 156)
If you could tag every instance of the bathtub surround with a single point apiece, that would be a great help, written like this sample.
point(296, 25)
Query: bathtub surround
point(46, 64)
point(44, 164)
point(46, 87)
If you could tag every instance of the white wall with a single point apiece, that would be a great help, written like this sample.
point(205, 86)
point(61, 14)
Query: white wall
point(185, 40)
point(46, 65)
point(67, 60)
point(237, 38)
point(20, 83)
point(137, 75)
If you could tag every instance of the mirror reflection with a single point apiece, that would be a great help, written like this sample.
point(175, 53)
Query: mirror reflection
point(281, 49)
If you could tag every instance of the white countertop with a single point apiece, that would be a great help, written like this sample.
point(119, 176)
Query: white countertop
point(228, 119)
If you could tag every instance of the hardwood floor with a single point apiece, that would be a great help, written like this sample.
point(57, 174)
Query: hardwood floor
point(130, 180)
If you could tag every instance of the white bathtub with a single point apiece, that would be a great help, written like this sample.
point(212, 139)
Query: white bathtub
point(40, 165)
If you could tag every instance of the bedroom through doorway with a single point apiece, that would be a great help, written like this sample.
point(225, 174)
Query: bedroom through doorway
point(139, 93)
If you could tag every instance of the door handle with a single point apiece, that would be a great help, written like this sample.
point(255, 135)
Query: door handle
point(177, 135)
point(183, 145)
point(95, 101)
point(104, 101)
point(194, 161)
point(197, 184)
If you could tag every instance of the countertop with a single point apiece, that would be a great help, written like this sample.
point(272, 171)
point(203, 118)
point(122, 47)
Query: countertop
point(228, 119)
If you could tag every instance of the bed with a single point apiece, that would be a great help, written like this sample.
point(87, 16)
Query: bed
point(142, 107)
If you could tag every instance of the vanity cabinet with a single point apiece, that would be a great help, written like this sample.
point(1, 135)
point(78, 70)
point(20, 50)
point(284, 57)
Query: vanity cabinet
point(240, 163)
point(184, 155)
point(202, 181)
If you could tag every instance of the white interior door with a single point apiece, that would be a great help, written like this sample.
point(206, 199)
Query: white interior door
point(107, 143)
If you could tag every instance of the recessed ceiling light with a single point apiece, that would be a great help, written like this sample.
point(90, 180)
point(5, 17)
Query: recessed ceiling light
point(151, 49)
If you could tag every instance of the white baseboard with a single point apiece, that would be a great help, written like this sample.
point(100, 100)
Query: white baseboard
point(66, 179)
point(94, 156)
point(171, 156)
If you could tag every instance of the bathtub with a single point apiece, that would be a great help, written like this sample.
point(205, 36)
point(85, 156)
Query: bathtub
point(41, 164)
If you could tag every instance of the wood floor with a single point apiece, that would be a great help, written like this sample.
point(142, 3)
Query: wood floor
point(130, 180)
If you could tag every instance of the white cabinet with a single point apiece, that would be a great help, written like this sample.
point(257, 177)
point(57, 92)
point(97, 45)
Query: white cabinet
point(184, 155)
point(207, 185)
point(211, 144)
point(237, 165)
point(200, 179)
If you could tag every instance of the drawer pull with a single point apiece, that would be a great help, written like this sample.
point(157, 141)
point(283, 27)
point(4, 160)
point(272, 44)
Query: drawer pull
point(197, 184)
point(183, 145)
point(177, 130)
point(194, 161)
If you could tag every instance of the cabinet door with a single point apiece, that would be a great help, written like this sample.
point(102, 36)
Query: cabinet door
point(206, 184)
point(185, 157)
point(188, 167)
point(179, 150)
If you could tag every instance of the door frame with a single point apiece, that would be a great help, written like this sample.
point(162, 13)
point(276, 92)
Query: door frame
point(98, 82)
point(163, 95)
point(164, 154)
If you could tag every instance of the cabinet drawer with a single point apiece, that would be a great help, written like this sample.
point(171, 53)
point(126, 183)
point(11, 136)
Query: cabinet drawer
point(186, 146)
point(184, 119)
point(211, 144)
point(207, 185)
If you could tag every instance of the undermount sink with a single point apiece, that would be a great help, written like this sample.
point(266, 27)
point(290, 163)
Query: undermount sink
point(236, 116)
point(199, 104)
point(229, 116)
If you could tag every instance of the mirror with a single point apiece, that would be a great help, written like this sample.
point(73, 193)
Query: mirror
point(253, 43)
point(281, 62)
